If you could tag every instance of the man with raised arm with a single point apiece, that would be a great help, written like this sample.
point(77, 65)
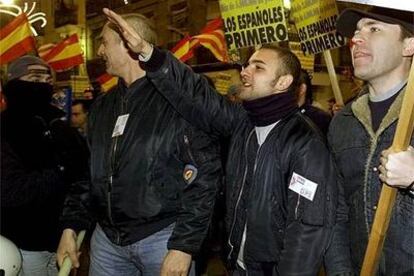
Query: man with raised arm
point(281, 181)
point(154, 176)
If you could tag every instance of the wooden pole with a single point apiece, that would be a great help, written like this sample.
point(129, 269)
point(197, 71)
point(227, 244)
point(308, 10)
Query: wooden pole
point(388, 195)
point(332, 76)
point(67, 263)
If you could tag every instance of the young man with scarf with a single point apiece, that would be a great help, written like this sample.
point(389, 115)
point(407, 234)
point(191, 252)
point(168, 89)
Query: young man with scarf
point(281, 181)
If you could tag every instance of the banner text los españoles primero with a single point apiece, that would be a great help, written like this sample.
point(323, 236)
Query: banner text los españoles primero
point(259, 27)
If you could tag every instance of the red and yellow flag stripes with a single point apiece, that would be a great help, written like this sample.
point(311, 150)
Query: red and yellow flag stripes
point(65, 55)
point(211, 37)
point(107, 81)
point(16, 39)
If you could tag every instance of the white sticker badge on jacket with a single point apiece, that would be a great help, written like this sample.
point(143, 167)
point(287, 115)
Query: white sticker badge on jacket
point(120, 125)
point(303, 186)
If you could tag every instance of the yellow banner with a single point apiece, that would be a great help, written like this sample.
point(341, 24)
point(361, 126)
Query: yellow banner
point(307, 62)
point(315, 21)
point(253, 22)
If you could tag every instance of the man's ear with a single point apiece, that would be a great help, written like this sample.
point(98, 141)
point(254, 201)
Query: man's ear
point(408, 50)
point(302, 89)
point(284, 82)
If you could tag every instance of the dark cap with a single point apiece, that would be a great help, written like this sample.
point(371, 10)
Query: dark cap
point(348, 19)
point(18, 68)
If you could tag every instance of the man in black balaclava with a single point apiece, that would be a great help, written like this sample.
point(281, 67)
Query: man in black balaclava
point(40, 157)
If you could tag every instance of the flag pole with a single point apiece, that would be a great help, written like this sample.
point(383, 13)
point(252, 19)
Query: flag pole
point(332, 76)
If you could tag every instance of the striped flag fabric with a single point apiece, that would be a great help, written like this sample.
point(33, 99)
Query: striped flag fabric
point(65, 55)
point(211, 37)
point(107, 81)
point(44, 49)
point(16, 39)
point(214, 41)
point(183, 50)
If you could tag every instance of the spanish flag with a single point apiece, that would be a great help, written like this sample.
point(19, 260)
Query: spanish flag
point(16, 39)
point(65, 55)
point(212, 38)
point(183, 50)
point(107, 82)
point(214, 41)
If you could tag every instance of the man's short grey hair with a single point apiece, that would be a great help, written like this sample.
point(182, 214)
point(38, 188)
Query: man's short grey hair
point(141, 24)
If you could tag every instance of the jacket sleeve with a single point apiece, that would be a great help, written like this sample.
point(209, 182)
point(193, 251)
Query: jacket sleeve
point(191, 95)
point(309, 222)
point(21, 185)
point(202, 178)
point(75, 214)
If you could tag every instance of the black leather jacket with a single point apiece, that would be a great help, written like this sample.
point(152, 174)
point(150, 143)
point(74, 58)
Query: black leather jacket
point(140, 179)
point(282, 227)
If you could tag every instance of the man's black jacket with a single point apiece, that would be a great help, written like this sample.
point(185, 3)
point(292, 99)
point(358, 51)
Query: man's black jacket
point(159, 171)
point(282, 227)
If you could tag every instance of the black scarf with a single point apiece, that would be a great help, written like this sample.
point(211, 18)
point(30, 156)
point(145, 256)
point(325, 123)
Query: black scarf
point(28, 97)
point(26, 100)
point(270, 109)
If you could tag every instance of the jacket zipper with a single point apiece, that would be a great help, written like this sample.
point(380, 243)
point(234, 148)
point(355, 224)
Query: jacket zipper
point(113, 168)
point(254, 171)
point(239, 196)
point(374, 142)
point(109, 200)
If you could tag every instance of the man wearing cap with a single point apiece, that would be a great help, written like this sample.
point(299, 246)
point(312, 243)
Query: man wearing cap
point(41, 156)
point(382, 51)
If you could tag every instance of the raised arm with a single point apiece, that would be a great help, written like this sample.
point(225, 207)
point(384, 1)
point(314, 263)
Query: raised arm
point(188, 92)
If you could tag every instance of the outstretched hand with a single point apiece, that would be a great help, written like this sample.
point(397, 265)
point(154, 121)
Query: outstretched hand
point(133, 40)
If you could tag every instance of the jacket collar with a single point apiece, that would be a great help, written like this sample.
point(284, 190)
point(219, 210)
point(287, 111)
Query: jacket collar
point(361, 110)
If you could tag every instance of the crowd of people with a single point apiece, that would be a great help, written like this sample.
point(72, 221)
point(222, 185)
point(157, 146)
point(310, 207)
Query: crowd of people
point(142, 168)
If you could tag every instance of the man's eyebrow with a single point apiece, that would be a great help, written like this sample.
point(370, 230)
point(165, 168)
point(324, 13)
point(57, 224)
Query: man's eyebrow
point(257, 61)
point(368, 22)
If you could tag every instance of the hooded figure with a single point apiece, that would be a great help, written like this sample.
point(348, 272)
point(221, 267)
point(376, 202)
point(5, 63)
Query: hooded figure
point(40, 157)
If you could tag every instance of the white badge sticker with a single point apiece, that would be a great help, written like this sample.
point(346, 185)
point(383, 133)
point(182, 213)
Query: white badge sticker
point(120, 125)
point(303, 186)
